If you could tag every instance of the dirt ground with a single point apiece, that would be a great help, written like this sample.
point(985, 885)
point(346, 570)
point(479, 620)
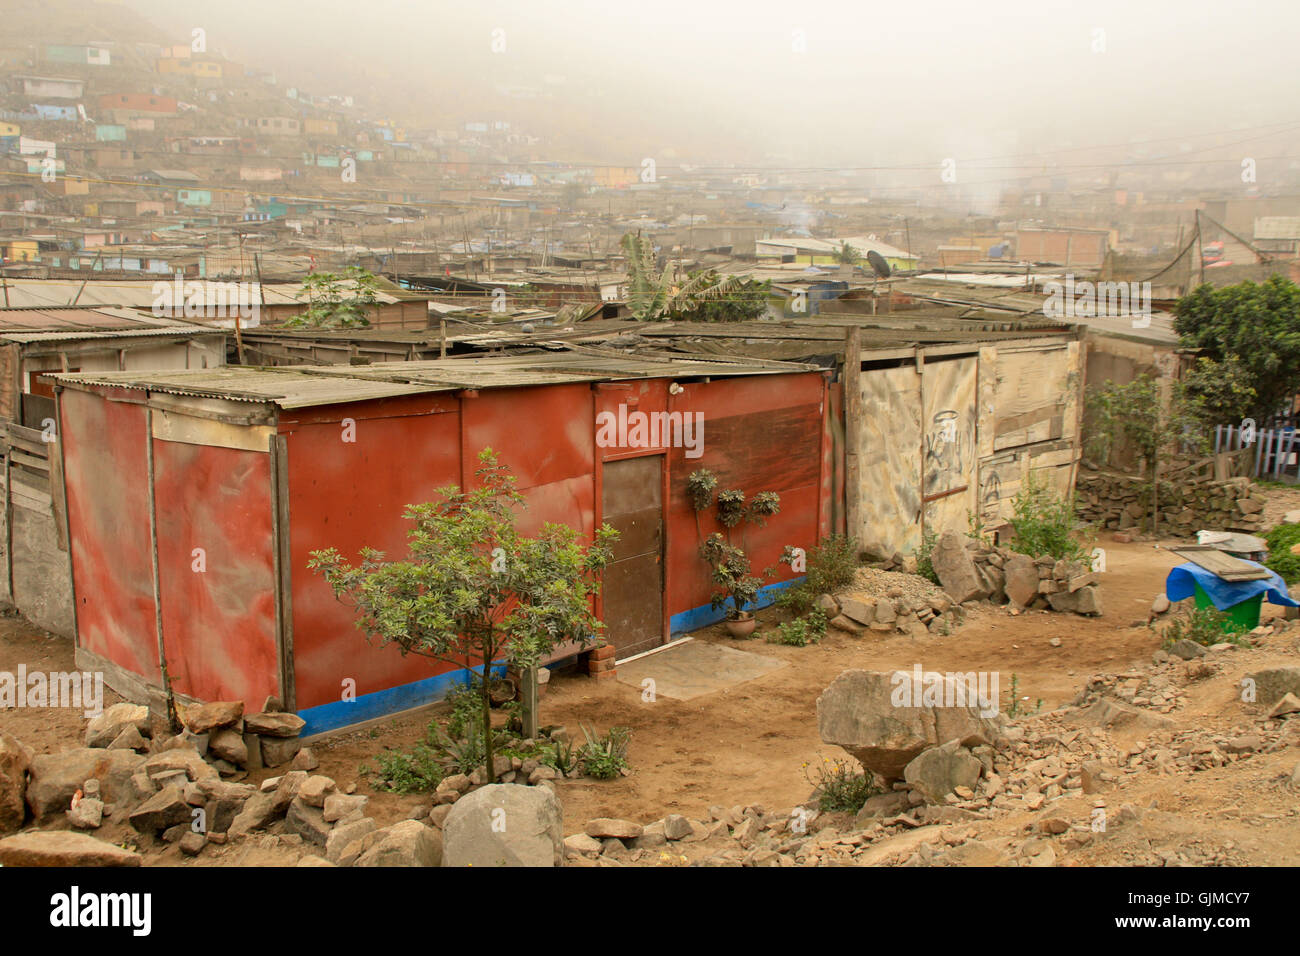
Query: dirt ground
point(748, 744)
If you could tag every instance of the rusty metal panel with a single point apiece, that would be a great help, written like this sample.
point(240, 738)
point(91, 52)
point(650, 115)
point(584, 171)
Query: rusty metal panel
point(948, 389)
point(889, 443)
point(350, 494)
point(108, 522)
point(631, 502)
point(215, 569)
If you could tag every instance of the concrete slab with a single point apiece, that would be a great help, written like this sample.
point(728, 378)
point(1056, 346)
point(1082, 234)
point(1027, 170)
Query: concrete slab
point(695, 668)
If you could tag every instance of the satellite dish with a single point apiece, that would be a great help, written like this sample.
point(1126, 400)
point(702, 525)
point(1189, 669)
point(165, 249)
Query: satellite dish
point(878, 263)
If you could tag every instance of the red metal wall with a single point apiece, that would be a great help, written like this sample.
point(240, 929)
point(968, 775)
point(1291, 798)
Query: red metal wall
point(108, 521)
point(218, 623)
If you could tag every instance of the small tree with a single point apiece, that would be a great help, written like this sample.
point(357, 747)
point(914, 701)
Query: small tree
point(1152, 423)
point(473, 590)
point(337, 301)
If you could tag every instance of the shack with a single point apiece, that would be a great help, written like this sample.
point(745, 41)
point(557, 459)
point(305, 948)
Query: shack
point(194, 499)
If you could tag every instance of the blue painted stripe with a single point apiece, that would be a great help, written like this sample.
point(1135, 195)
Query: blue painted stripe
point(344, 713)
point(697, 617)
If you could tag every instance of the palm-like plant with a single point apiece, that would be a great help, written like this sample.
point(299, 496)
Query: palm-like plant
point(653, 295)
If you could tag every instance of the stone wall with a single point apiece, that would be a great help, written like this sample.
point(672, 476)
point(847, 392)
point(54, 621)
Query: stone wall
point(1118, 502)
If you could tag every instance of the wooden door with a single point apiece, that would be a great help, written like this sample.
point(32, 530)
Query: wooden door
point(632, 504)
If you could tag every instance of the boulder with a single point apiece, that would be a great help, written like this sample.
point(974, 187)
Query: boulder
point(857, 610)
point(339, 806)
point(880, 718)
point(129, 739)
point(268, 724)
point(677, 827)
point(182, 759)
point(607, 828)
point(55, 778)
point(315, 789)
point(108, 726)
point(409, 843)
point(86, 814)
point(1187, 650)
point(1086, 600)
point(62, 848)
point(202, 718)
point(937, 772)
point(259, 811)
point(166, 808)
point(505, 825)
point(307, 821)
point(1112, 714)
point(1275, 683)
point(14, 761)
point(277, 751)
point(1021, 580)
point(344, 835)
point(955, 568)
point(228, 744)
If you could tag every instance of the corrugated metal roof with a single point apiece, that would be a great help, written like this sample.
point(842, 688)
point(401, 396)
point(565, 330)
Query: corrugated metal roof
point(1277, 227)
point(99, 319)
point(304, 386)
point(141, 293)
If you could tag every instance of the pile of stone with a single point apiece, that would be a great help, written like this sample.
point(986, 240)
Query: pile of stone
point(1119, 502)
point(891, 613)
point(972, 570)
point(230, 740)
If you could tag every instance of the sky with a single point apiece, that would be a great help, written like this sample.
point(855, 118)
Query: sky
point(804, 83)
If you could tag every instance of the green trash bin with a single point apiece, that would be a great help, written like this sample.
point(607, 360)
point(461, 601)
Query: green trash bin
point(1241, 617)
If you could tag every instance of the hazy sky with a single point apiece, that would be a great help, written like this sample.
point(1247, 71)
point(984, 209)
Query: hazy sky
point(708, 81)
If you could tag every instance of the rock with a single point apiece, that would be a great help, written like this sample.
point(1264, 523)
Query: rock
point(1086, 600)
point(315, 789)
point(86, 814)
point(229, 745)
point(1113, 715)
point(438, 815)
point(604, 828)
point(338, 806)
point(1245, 744)
point(187, 761)
point(1160, 605)
point(859, 611)
point(192, 843)
point(937, 772)
point(847, 625)
point(306, 760)
point(14, 761)
point(867, 713)
point(458, 782)
point(345, 834)
point(881, 805)
point(1289, 704)
point(827, 605)
point(1021, 580)
point(504, 825)
point(55, 778)
point(287, 788)
point(106, 728)
point(202, 718)
point(677, 827)
point(409, 843)
point(258, 812)
point(274, 724)
point(129, 739)
point(307, 821)
point(581, 845)
point(1275, 683)
point(1053, 825)
point(955, 569)
point(277, 751)
point(253, 744)
point(62, 848)
point(166, 808)
point(1187, 650)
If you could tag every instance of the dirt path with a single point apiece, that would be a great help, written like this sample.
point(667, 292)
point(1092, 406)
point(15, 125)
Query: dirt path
point(748, 743)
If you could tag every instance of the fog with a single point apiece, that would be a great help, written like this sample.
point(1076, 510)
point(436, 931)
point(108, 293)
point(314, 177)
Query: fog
point(1000, 87)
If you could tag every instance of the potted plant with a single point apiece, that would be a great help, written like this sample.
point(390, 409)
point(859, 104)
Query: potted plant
point(733, 584)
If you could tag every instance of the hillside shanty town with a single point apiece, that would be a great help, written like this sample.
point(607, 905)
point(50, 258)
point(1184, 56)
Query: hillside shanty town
point(705, 438)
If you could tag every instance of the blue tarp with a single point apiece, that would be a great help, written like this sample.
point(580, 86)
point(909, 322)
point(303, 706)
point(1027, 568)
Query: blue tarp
point(1225, 594)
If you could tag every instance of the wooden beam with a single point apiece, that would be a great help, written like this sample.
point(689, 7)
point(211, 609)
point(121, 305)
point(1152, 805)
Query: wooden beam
point(852, 382)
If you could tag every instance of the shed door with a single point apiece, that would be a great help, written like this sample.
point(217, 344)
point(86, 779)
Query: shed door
point(632, 504)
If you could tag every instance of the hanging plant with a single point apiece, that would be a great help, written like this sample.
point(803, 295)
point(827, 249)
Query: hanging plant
point(731, 507)
point(699, 488)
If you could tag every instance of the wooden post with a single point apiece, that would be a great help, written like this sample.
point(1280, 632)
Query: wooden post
point(528, 695)
point(852, 383)
point(172, 721)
